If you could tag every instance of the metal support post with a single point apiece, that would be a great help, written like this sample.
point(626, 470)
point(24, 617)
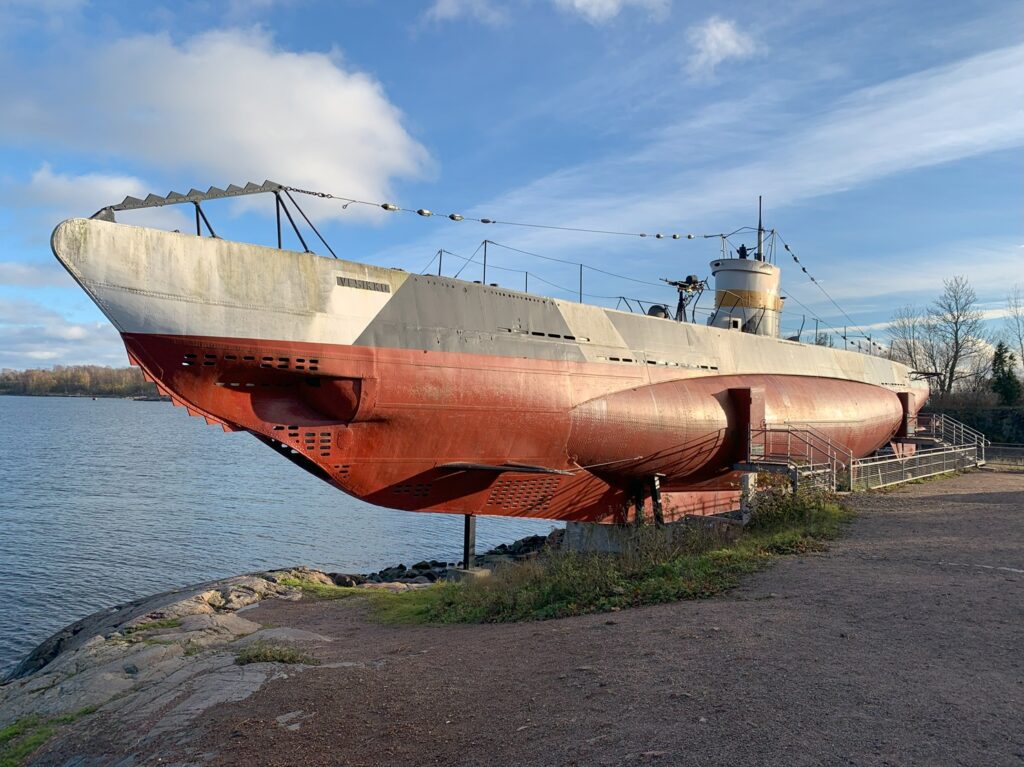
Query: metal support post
point(748, 486)
point(656, 508)
point(277, 206)
point(638, 503)
point(469, 542)
point(205, 220)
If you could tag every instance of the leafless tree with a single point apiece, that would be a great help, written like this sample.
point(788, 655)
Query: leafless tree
point(906, 333)
point(946, 340)
point(955, 322)
point(1015, 320)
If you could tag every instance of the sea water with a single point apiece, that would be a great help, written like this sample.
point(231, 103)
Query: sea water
point(107, 500)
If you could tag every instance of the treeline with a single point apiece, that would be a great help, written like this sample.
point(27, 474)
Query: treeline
point(77, 380)
point(972, 366)
point(967, 362)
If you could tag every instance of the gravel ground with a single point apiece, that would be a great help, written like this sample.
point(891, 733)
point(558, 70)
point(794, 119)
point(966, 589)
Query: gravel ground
point(902, 645)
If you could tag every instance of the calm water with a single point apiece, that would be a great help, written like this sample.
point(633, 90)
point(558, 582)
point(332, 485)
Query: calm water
point(103, 501)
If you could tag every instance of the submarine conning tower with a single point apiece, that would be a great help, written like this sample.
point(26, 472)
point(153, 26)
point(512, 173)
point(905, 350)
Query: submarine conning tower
point(746, 295)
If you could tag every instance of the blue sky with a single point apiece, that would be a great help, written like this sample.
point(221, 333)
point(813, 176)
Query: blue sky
point(885, 137)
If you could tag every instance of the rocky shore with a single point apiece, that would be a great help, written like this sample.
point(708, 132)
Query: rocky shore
point(900, 645)
point(132, 656)
point(430, 571)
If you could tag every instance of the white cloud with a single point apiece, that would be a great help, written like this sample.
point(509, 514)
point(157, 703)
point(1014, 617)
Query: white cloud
point(481, 10)
point(33, 275)
point(600, 11)
point(50, 197)
point(494, 13)
point(924, 119)
point(921, 120)
point(53, 14)
point(81, 194)
point(31, 334)
point(227, 107)
point(714, 41)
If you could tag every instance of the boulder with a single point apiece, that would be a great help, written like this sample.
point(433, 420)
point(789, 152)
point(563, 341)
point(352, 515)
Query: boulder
point(347, 580)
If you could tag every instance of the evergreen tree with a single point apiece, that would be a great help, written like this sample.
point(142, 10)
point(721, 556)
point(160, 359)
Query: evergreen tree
point(1004, 381)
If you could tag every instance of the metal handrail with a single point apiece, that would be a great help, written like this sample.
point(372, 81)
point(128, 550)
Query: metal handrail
point(950, 431)
point(945, 425)
point(810, 444)
point(882, 471)
point(871, 459)
point(837, 447)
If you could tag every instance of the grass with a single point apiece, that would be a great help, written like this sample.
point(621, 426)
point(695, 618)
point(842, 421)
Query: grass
point(21, 739)
point(695, 563)
point(267, 652)
point(320, 590)
point(411, 606)
point(166, 623)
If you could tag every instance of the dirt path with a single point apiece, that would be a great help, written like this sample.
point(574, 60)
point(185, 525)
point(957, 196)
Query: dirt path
point(902, 645)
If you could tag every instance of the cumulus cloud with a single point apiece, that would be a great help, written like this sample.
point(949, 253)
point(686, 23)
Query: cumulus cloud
point(225, 106)
point(479, 10)
point(29, 275)
point(49, 197)
point(83, 193)
point(714, 41)
point(32, 335)
point(600, 11)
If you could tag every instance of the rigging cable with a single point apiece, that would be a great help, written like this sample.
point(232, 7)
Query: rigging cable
point(427, 213)
point(577, 263)
point(534, 276)
point(821, 288)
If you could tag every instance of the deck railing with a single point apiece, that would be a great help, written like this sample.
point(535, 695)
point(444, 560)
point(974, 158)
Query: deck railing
point(812, 458)
point(884, 471)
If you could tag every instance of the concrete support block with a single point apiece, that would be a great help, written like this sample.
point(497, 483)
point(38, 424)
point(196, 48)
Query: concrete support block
point(471, 574)
point(595, 537)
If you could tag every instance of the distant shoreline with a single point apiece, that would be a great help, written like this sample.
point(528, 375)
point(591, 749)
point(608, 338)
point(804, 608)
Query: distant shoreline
point(77, 381)
point(135, 397)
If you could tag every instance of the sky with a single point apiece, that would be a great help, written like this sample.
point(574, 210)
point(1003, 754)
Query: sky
point(884, 137)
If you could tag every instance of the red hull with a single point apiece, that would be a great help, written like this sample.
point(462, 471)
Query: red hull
point(381, 423)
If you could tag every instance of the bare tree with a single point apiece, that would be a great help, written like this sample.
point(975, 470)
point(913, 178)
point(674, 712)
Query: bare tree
point(947, 340)
point(955, 326)
point(905, 337)
point(1015, 320)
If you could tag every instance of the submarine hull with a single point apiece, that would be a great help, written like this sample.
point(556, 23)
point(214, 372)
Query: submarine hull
point(425, 393)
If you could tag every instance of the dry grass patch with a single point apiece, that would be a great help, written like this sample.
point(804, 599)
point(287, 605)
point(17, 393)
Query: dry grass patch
point(269, 652)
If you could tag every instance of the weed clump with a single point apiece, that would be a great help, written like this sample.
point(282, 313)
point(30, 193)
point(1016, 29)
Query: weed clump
point(22, 738)
point(690, 561)
point(693, 562)
point(319, 590)
point(166, 623)
point(267, 652)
